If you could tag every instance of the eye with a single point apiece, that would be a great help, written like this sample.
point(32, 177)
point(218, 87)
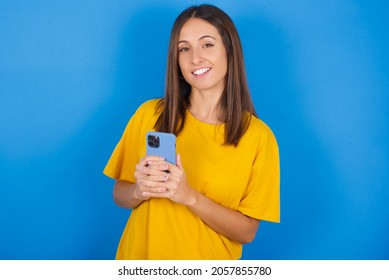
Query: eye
point(208, 45)
point(183, 49)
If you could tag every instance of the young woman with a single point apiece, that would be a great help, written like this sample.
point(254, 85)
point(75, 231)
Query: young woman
point(227, 174)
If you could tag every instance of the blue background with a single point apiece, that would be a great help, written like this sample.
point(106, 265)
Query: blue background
point(73, 72)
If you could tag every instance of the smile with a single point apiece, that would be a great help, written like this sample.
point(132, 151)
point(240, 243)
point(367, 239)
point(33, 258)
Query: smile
point(201, 71)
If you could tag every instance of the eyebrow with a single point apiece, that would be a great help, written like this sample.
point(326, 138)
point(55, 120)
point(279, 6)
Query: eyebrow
point(201, 38)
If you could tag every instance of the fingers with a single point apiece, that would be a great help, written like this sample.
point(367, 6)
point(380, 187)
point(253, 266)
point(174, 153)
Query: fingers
point(150, 166)
point(150, 188)
point(149, 173)
point(158, 178)
point(179, 163)
point(148, 158)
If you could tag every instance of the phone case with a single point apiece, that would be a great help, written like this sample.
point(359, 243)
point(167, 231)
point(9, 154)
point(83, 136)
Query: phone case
point(161, 144)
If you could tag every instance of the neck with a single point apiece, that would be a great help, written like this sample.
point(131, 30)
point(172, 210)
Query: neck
point(204, 106)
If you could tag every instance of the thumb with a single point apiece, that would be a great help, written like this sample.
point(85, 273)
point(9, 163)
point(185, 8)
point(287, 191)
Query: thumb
point(179, 163)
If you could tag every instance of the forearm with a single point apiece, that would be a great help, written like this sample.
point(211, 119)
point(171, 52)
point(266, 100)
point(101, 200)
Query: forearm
point(225, 221)
point(124, 195)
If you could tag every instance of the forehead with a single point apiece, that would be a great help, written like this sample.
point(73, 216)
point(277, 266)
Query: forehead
point(196, 28)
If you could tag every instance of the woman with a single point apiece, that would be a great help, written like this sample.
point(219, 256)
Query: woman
point(227, 174)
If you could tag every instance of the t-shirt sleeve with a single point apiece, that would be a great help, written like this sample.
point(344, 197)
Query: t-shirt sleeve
point(121, 165)
point(127, 153)
point(261, 199)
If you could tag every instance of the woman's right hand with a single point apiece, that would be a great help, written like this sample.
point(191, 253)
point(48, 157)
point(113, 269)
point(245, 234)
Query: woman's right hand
point(129, 195)
point(145, 171)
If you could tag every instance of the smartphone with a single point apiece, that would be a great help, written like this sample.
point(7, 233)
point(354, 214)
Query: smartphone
point(161, 144)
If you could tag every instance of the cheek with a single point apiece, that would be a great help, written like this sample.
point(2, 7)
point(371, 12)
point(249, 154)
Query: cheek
point(225, 59)
point(183, 64)
point(223, 62)
point(181, 69)
point(182, 61)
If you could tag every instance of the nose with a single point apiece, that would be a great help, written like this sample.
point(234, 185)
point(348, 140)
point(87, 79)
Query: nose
point(197, 56)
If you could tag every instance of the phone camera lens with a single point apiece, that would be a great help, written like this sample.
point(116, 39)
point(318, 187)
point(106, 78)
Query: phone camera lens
point(153, 141)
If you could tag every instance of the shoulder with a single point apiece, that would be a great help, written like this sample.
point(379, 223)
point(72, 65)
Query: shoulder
point(145, 114)
point(260, 132)
point(259, 126)
point(149, 105)
point(147, 109)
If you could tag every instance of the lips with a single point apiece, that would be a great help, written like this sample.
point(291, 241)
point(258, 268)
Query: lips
point(201, 71)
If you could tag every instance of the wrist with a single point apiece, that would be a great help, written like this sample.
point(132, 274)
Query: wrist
point(137, 193)
point(192, 198)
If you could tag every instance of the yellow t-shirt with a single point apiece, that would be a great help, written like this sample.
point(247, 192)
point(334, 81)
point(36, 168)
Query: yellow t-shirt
point(245, 178)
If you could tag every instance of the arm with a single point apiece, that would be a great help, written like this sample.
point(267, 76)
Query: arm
point(124, 195)
point(225, 221)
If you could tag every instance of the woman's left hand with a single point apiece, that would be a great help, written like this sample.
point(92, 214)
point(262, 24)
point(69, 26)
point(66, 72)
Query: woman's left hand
point(175, 182)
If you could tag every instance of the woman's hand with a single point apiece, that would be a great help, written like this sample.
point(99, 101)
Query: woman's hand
point(129, 195)
point(150, 168)
point(159, 178)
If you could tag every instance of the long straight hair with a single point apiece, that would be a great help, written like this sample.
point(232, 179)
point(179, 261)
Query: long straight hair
point(235, 104)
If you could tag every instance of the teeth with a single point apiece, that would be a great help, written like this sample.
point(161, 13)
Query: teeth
point(201, 71)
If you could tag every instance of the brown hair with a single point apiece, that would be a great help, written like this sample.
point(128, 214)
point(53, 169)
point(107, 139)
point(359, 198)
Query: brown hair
point(235, 101)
